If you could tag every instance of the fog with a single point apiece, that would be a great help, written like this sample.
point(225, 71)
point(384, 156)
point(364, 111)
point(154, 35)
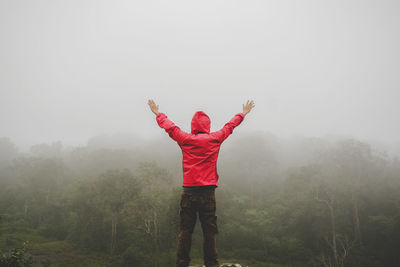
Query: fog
point(310, 178)
point(72, 70)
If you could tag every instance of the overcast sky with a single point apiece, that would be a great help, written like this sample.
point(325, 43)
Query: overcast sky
point(70, 70)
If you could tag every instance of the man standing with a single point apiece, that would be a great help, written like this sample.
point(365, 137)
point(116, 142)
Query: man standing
point(200, 150)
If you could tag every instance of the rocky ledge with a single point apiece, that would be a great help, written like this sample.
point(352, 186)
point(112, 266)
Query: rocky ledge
point(225, 265)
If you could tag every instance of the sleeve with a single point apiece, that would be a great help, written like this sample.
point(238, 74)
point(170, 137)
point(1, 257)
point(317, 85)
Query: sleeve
point(174, 131)
point(227, 130)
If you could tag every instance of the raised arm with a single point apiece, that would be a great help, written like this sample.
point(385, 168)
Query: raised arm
point(173, 131)
point(227, 130)
point(153, 106)
point(248, 107)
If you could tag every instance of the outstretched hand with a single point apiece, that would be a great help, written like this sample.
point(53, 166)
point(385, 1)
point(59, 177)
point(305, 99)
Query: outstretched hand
point(153, 106)
point(248, 106)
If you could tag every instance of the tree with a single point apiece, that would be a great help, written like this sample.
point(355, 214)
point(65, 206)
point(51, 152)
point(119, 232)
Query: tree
point(151, 208)
point(103, 199)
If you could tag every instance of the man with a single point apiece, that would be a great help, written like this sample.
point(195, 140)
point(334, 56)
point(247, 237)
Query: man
point(200, 151)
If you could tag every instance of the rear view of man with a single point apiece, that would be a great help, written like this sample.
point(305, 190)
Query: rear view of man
point(200, 150)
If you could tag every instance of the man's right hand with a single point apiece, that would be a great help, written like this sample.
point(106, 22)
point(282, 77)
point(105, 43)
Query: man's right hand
point(248, 106)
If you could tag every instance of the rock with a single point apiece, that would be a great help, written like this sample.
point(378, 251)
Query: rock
point(225, 265)
point(232, 265)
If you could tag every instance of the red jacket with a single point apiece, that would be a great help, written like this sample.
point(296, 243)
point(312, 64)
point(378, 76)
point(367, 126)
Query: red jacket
point(200, 148)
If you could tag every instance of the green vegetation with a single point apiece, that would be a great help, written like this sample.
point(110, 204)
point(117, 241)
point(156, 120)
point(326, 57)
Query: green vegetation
point(308, 202)
point(16, 258)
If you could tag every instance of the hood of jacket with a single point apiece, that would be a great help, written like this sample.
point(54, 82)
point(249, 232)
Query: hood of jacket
point(200, 123)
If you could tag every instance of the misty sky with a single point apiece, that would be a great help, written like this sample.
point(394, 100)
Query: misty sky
point(70, 70)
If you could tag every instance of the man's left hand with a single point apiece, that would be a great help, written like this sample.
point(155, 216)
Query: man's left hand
point(153, 106)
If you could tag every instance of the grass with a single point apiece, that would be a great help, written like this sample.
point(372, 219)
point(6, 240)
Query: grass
point(55, 253)
point(49, 252)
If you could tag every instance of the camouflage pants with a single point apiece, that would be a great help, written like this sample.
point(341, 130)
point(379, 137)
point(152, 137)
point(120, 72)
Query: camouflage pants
point(203, 202)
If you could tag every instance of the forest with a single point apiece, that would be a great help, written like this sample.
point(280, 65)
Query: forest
point(301, 201)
